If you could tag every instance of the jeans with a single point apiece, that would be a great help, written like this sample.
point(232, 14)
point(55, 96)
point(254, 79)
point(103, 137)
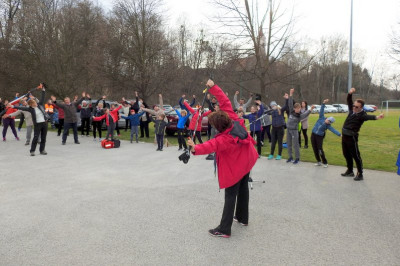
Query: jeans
point(292, 141)
point(134, 131)
point(67, 126)
point(160, 141)
point(258, 134)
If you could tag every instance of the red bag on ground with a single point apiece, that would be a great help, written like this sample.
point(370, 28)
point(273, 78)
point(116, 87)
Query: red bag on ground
point(107, 144)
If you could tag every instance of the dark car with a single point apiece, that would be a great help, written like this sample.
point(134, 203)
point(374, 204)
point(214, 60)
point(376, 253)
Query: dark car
point(173, 122)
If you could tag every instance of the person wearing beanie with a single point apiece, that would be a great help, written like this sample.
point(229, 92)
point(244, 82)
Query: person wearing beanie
point(318, 135)
point(86, 114)
point(278, 127)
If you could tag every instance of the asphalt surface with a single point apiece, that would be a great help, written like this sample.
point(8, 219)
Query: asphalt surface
point(83, 205)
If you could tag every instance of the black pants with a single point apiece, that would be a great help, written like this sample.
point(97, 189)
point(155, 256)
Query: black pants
point(209, 131)
point(67, 126)
point(85, 126)
point(351, 151)
point(117, 128)
point(60, 125)
point(21, 121)
point(181, 139)
point(39, 129)
point(266, 129)
point(304, 135)
point(277, 135)
point(197, 135)
point(317, 143)
point(97, 126)
point(160, 141)
point(258, 134)
point(144, 128)
point(239, 194)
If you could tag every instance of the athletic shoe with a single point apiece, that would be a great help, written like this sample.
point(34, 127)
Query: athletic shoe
point(210, 157)
point(100, 139)
point(262, 143)
point(296, 161)
point(358, 177)
point(215, 232)
point(63, 143)
point(289, 160)
point(17, 138)
point(318, 164)
point(161, 149)
point(43, 153)
point(131, 141)
point(278, 157)
point(87, 135)
point(325, 165)
point(82, 135)
point(4, 139)
point(157, 149)
point(348, 173)
point(19, 129)
point(236, 220)
point(94, 139)
point(77, 142)
point(32, 153)
point(27, 143)
point(270, 157)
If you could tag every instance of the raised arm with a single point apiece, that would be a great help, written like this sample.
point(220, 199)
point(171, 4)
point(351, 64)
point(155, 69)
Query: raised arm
point(42, 96)
point(190, 109)
point(160, 99)
point(334, 131)
point(15, 113)
point(224, 103)
point(179, 115)
point(235, 101)
point(193, 101)
point(350, 100)
point(248, 102)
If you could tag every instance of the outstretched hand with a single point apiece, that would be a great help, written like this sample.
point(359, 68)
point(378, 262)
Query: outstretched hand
point(312, 107)
point(352, 90)
point(326, 101)
point(210, 83)
point(381, 116)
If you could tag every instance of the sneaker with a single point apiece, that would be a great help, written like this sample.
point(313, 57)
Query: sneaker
point(87, 135)
point(32, 153)
point(27, 143)
point(262, 143)
point(43, 153)
point(131, 141)
point(358, 177)
point(210, 157)
point(82, 135)
point(17, 138)
point(289, 160)
point(58, 134)
point(94, 139)
point(236, 220)
point(179, 149)
point(157, 149)
point(296, 161)
point(348, 173)
point(161, 149)
point(215, 232)
point(19, 129)
point(278, 157)
point(4, 139)
point(100, 139)
point(325, 165)
point(77, 142)
point(270, 157)
point(63, 143)
point(318, 164)
point(137, 141)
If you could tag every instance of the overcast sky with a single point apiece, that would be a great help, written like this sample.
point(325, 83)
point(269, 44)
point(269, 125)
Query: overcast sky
point(372, 23)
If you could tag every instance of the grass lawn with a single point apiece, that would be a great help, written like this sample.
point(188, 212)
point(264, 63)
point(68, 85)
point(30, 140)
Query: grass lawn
point(379, 142)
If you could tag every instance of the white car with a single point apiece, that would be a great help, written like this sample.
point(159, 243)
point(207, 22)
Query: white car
point(330, 109)
point(316, 109)
point(341, 108)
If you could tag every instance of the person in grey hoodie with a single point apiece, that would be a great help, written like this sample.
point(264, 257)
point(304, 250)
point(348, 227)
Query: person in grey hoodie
point(28, 119)
point(241, 102)
point(292, 133)
point(70, 119)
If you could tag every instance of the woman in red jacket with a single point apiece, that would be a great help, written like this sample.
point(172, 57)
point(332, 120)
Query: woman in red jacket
point(235, 158)
point(8, 121)
point(112, 118)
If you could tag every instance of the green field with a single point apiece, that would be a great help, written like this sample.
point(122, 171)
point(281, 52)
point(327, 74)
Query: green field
point(379, 142)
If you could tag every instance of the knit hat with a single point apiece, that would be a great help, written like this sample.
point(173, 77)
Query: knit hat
point(331, 119)
point(84, 102)
point(273, 103)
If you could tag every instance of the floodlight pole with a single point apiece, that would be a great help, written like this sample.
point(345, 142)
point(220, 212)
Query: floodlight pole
point(350, 80)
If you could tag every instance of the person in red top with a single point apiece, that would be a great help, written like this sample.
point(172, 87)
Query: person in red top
point(111, 120)
point(9, 121)
point(60, 119)
point(235, 157)
point(195, 118)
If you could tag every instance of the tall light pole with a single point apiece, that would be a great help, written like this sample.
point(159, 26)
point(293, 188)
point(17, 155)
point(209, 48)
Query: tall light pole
point(350, 80)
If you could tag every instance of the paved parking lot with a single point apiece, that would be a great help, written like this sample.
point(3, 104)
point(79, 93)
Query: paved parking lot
point(83, 205)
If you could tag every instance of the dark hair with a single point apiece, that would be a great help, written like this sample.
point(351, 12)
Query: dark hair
point(220, 121)
point(361, 101)
point(306, 104)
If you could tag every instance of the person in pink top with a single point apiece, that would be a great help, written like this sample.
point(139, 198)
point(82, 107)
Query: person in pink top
point(235, 157)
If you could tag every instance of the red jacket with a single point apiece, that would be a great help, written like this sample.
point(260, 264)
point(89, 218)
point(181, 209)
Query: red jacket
point(195, 116)
point(113, 113)
point(10, 111)
point(60, 111)
point(235, 157)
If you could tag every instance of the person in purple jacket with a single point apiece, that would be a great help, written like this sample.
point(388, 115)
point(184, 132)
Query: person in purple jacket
point(255, 123)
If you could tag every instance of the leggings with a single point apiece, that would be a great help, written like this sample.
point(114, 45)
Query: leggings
point(9, 122)
point(258, 134)
point(304, 130)
point(181, 139)
point(277, 136)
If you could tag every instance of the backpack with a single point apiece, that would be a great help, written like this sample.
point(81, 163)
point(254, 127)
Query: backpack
point(109, 144)
point(238, 130)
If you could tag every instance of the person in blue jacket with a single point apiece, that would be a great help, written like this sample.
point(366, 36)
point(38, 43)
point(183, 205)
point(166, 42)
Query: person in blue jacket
point(318, 134)
point(183, 117)
point(255, 123)
point(135, 122)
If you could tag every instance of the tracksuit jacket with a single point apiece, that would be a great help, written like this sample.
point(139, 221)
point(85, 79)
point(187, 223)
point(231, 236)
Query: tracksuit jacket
point(320, 126)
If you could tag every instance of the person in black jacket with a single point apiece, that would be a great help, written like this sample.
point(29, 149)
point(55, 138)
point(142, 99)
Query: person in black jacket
point(40, 119)
point(86, 114)
point(356, 117)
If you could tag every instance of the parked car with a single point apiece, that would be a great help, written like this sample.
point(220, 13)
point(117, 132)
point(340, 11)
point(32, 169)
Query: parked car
point(368, 108)
point(372, 106)
point(341, 108)
point(330, 109)
point(167, 108)
point(173, 122)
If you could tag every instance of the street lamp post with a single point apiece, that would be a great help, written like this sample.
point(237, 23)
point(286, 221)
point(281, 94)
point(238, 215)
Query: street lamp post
point(350, 81)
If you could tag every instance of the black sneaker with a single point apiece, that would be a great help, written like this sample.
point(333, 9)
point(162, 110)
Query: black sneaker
point(210, 157)
point(32, 153)
point(217, 233)
point(43, 153)
point(289, 160)
point(236, 220)
point(348, 173)
point(27, 143)
point(62, 143)
point(358, 177)
point(77, 142)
